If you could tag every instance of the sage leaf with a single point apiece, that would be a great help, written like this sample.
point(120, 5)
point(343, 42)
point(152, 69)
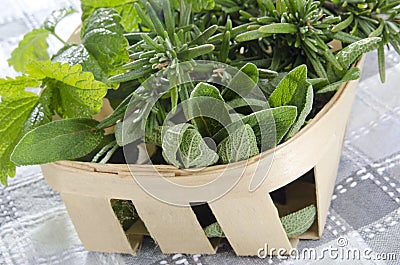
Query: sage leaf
point(242, 83)
point(299, 222)
point(184, 147)
point(58, 140)
point(294, 90)
point(238, 146)
point(33, 47)
point(250, 104)
point(201, 102)
point(294, 224)
point(269, 126)
point(214, 230)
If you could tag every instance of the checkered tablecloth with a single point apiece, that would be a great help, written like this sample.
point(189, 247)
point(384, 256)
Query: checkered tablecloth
point(365, 211)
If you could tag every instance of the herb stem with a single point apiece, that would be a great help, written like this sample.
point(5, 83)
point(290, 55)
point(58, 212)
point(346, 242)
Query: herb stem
point(103, 151)
point(109, 154)
point(59, 38)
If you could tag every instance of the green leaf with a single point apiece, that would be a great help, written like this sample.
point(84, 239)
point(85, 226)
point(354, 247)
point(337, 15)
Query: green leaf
point(214, 230)
point(56, 16)
point(351, 74)
point(15, 107)
point(251, 35)
point(249, 103)
point(278, 28)
point(299, 222)
point(269, 126)
point(33, 47)
point(197, 5)
point(77, 54)
point(125, 8)
point(344, 24)
point(283, 119)
point(349, 55)
point(204, 36)
point(243, 81)
point(184, 147)
point(195, 52)
point(105, 3)
point(294, 224)
point(238, 146)
point(294, 90)
point(381, 63)
point(76, 93)
point(102, 36)
point(129, 18)
point(207, 125)
point(42, 113)
point(59, 140)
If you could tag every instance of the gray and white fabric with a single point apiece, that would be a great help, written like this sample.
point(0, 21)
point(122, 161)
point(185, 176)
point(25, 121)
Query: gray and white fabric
point(364, 215)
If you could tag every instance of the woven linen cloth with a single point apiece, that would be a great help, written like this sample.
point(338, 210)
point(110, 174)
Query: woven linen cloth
point(364, 215)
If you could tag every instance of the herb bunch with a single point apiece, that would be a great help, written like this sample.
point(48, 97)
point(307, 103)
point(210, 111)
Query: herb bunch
point(283, 46)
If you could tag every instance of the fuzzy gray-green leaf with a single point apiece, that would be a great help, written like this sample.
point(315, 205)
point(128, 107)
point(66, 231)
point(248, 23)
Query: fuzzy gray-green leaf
point(184, 147)
point(299, 222)
point(294, 90)
point(238, 146)
point(243, 82)
point(203, 98)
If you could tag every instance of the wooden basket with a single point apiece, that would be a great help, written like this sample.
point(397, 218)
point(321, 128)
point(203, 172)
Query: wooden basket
point(249, 219)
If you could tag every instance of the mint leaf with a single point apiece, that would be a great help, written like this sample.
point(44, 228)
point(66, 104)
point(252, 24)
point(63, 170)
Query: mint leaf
point(42, 113)
point(102, 36)
point(59, 140)
point(184, 147)
point(238, 146)
point(15, 107)
point(55, 17)
point(299, 222)
point(294, 90)
point(125, 8)
point(33, 47)
point(76, 93)
point(77, 54)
